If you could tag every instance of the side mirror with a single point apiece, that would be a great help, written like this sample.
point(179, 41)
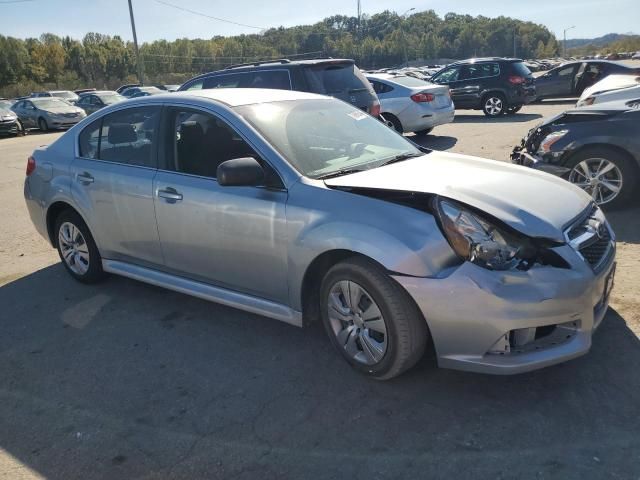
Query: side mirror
point(240, 172)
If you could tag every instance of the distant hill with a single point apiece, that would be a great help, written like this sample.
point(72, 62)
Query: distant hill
point(599, 41)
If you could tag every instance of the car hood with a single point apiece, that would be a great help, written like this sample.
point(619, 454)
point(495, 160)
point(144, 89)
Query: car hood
point(4, 113)
point(534, 203)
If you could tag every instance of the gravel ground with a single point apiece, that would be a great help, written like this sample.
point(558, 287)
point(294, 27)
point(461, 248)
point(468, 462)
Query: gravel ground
point(125, 380)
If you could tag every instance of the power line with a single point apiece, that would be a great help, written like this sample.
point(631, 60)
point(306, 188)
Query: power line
point(214, 57)
point(209, 16)
point(6, 2)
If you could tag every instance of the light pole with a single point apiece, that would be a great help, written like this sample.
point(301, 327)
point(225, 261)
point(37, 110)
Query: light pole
point(564, 44)
point(404, 38)
point(135, 44)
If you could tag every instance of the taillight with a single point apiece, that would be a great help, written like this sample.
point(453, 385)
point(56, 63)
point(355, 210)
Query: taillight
point(31, 165)
point(516, 79)
point(375, 110)
point(422, 97)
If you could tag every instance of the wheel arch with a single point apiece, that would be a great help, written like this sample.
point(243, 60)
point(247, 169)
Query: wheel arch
point(54, 210)
point(635, 162)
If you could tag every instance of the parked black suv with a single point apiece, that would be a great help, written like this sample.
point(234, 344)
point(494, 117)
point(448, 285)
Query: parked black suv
point(493, 85)
point(335, 77)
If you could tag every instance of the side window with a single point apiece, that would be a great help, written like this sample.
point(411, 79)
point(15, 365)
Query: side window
point(565, 71)
point(199, 142)
point(83, 100)
point(95, 100)
point(449, 75)
point(90, 139)
point(195, 85)
point(277, 79)
point(379, 87)
point(232, 80)
point(128, 136)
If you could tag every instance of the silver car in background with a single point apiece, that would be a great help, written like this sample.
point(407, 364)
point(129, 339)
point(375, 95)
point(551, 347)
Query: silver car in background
point(93, 101)
point(611, 89)
point(302, 207)
point(409, 104)
point(47, 113)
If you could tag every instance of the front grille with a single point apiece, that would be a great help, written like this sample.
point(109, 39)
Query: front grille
point(591, 238)
point(595, 252)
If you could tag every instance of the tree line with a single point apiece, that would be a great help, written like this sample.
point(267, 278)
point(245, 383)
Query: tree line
point(381, 40)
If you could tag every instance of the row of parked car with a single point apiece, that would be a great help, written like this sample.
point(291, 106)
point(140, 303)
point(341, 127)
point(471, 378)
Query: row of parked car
point(408, 104)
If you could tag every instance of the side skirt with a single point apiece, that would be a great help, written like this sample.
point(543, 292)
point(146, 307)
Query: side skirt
point(205, 291)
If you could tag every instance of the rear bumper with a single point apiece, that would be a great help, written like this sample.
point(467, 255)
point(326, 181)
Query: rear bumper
point(420, 117)
point(472, 310)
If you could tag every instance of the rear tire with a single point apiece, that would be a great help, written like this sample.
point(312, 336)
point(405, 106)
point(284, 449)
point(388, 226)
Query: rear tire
point(371, 320)
point(611, 168)
point(77, 249)
point(42, 125)
point(494, 104)
point(392, 122)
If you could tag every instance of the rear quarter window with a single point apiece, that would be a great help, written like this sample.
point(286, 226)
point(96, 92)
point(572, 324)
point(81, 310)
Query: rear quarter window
point(521, 69)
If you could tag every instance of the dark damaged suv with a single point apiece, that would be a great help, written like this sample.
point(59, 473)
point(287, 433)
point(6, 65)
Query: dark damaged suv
point(338, 78)
point(493, 85)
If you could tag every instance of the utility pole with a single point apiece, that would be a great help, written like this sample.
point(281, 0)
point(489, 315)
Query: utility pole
point(514, 44)
point(564, 44)
point(135, 44)
point(359, 33)
point(404, 37)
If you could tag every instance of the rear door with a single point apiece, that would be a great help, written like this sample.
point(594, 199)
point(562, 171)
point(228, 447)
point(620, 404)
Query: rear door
point(473, 81)
point(112, 174)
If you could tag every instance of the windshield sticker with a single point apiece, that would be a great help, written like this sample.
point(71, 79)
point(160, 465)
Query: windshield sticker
point(357, 115)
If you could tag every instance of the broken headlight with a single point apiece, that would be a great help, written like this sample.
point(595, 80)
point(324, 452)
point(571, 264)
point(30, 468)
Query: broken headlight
point(478, 240)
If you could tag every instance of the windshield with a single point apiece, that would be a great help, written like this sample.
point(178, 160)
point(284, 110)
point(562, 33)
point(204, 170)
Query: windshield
point(49, 102)
point(409, 81)
point(5, 104)
point(321, 137)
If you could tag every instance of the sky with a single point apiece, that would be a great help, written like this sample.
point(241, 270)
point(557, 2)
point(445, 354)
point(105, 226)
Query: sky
point(157, 20)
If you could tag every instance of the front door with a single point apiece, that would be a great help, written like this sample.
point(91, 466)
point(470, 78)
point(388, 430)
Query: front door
point(113, 184)
point(232, 237)
point(558, 82)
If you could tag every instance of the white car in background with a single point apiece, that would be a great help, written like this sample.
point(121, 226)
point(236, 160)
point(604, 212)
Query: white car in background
point(412, 105)
point(613, 87)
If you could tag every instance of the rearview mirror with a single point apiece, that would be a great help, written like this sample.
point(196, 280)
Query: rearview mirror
point(240, 172)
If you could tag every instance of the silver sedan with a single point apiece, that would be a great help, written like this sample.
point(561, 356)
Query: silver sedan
point(301, 207)
point(47, 113)
point(409, 104)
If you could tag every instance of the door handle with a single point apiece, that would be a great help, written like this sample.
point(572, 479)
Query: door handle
point(169, 194)
point(85, 178)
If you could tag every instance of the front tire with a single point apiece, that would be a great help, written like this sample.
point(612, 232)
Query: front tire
point(494, 105)
point(77, 249)
point(371, 320)
point(605, 174)
point(42, 125)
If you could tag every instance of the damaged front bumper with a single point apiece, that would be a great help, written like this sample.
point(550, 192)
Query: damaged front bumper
point(514, 321)
point(520, 156)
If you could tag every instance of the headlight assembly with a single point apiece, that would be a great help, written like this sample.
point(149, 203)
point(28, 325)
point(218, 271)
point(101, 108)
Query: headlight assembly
point(479, 241)
point(549, 140)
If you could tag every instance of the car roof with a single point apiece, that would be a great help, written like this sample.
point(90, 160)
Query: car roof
point(236, 97)
point(281, 63)
point(486, 59)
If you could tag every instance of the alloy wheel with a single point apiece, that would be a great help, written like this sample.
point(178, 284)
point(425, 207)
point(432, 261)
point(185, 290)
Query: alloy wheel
point(599, 177)
point(74, 248)
point(357, 322)
point(493, 106)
